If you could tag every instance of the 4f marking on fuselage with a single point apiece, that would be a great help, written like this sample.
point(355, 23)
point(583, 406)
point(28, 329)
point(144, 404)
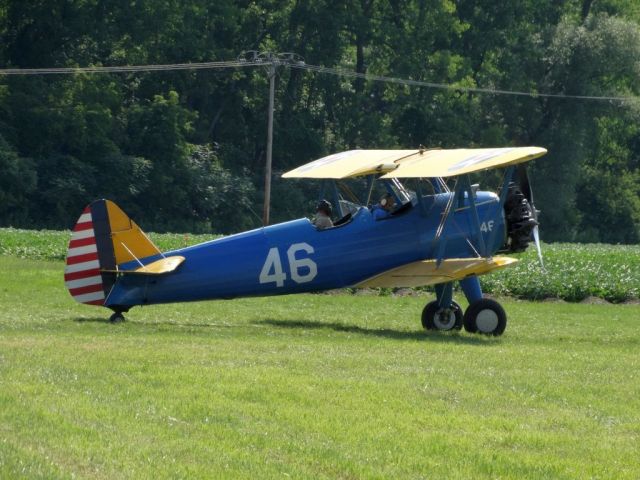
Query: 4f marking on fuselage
point(486, 226)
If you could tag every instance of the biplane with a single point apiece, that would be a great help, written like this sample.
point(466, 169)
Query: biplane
point(443, 230)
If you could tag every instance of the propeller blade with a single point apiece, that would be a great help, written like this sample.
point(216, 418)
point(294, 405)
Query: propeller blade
point(525, 188)
point(536, 239)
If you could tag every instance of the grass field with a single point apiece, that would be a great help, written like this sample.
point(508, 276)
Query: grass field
point(310, 386)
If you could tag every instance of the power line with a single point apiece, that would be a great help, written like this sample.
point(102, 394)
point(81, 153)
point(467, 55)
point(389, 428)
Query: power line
point(131, 68)
point(445, 86)
point(294, 62)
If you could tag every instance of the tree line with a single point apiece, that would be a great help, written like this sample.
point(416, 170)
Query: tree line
point(185, 150)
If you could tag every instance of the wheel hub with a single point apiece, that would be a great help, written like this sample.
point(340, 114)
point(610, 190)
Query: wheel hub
point(445, 319)
point(487, 320)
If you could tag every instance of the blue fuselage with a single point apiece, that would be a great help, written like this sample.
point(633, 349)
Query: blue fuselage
point(295, 257)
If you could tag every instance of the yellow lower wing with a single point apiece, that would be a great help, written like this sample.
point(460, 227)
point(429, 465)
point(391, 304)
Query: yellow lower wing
point(426, 272)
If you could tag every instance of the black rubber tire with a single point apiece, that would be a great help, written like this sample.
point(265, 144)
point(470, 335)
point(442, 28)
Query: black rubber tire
point(116, 317)
point(468, 322)
point(430, 311)
point(496, 323)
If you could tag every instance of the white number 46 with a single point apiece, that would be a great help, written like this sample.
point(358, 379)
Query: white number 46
point(272, 269)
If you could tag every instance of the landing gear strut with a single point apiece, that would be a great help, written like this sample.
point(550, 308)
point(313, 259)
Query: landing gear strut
point(483, 315)
point(442, 314)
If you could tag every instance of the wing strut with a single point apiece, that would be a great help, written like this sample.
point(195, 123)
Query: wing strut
point(463, 186)
point(466, 185)
point(440, 240)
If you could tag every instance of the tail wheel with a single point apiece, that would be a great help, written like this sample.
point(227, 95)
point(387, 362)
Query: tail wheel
point(117, 317)
point(485, 316)
point(435, 317)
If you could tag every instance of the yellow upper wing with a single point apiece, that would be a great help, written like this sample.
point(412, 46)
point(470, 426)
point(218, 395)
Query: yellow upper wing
point(351, 163)
point(447, 163)
point(414, 163)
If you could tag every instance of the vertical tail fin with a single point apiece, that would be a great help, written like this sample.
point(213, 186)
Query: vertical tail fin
point(82, 275)
point(103, 238)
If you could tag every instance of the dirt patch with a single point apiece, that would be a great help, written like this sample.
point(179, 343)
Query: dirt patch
point(405, 292)
point(336, 291)
point(365, 292)
point(594, 301)
point(553, 300)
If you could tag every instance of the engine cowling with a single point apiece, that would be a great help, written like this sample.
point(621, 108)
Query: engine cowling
point(520, 219)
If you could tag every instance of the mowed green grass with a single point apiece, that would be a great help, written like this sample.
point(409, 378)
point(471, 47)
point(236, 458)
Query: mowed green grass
point(310, 386)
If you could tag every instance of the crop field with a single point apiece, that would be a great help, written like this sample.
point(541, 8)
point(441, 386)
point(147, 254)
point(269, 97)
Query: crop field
point(308, 386)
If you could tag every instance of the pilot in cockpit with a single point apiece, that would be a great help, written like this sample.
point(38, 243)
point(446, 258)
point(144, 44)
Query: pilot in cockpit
point(384, 208)
point(322, 218)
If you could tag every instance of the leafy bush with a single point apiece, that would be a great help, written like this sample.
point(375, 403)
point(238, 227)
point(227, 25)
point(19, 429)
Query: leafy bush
point(572, 272)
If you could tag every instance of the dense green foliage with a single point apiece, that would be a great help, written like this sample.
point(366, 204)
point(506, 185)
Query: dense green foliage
point(573, 271)
point(310, 386)
point(184, 151)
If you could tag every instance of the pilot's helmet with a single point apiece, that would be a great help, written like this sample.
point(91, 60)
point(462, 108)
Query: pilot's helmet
point(387, 201)
point(325, 207)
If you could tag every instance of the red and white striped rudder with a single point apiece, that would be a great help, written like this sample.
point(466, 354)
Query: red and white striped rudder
point(82, 275)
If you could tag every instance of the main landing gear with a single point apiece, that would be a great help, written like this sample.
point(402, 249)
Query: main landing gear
point(483, 315)
point(435, 317)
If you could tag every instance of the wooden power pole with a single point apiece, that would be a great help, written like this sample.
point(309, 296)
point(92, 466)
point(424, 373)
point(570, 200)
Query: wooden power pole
point(267, 173)
point(272, 61)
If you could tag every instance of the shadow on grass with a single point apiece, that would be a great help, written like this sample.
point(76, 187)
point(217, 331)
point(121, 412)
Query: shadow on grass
point(145, 323)
point(91, 319)
point(420, 335)
point(434, 336)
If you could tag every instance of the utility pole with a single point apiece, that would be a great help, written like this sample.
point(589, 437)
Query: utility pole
point(272, 61)
point(267, 173)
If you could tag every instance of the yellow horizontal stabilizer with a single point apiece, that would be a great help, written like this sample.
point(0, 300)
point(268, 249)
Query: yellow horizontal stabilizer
point(159, 267)
point(448, 163)
point(426, 272)
point(351, 163)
